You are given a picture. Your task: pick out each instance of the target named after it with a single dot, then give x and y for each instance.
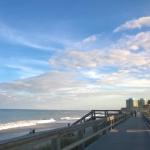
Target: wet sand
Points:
(16, 132)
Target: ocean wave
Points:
(24, 123)
(70, 118)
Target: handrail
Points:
(93, 115)
(37, 139)
(83, 118)
(147, 119)
(47, 134)
(90, 136)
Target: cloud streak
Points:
(133, 24)
(18, 37)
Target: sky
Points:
(83, 54)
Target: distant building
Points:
(148, 102)
(135, 103)
(129, 103)
(147, 105)
(141, 103)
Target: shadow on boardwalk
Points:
(130, 135)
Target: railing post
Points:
(95, 128)
(92, 114)
(56, 143)
(80, 136)
(105, 114)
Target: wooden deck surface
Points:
(133, 134)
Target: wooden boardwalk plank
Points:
(130, 135)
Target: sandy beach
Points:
(21, 131)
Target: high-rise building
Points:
(148, 102)
(141, 102)
(135, 103)
(129, 103)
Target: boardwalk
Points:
(130, 135)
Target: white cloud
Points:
(83, 80)
(26, 39)
(25, 67)
(136, 23)
(55, 89)
(125, 79)
(77, 59)
(127, 52)
(47, 91)
(130, 55)
(91, 74)
(88, 42)
(89, 39)
(62, 90)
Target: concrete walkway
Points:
(130, 135)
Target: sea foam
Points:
(69, 118)
(24, 123)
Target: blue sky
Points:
(71, 49)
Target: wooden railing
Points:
(79, 134)
(97, 114)
(146, 117)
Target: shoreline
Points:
(9, 134)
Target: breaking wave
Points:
(24, 123)
(70, 118)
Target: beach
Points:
(16, 132)
(15, 123)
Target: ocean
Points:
(13, 118)
(18, 122)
